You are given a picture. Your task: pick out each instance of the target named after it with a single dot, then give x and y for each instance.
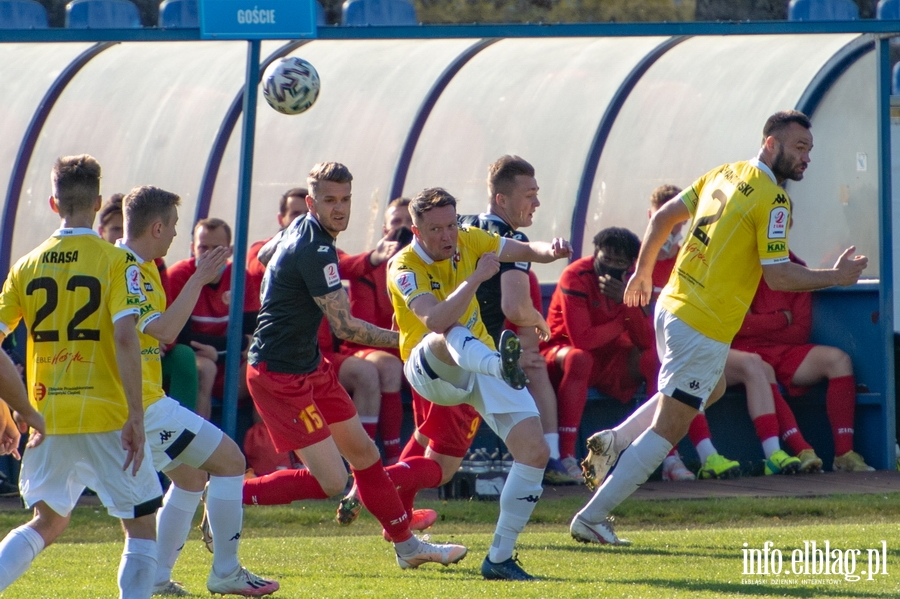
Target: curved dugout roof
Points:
(604, 121)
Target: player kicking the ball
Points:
(185, 446)
(450, 357)
(296, 391)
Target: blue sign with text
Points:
(257, 19)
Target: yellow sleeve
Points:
(773, 217)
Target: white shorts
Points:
(501, 406)
(58, 470)
(691, 363)
(178, 435)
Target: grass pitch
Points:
(692, 548)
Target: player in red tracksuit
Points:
(207, 328)
(595, 339)
(777, 328)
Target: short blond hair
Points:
(143, 205)
(327, 171)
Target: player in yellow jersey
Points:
(184, 446)
(83, 359)
(738, 232)
(450, 357)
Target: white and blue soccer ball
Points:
(290, 85)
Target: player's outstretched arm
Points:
(639, 290)
(790, 276)
(167, 327)
(128, 358)
(535, 251)
(336, 307)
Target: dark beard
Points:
(783, 169)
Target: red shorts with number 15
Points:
(285, 402)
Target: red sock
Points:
(413, 449)
(787, 424)
(371, 428)
(699, 430)
(282, 487)
(389, 421)
(766, 426)
(413, 474)
(840, 403)
(572, 395)
(377, 493)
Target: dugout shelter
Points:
(605, 112)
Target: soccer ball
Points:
(290, 85)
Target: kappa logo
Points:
(466, 340)
(323, 249)
(780, 199)
(164, 436)
(530, 498)
(694, 385)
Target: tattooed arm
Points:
(336, 307)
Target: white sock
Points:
(471, 354)
(173, 523)
(518, 498)
(705, 448)
(634, 468)
(770, 446)
(137, 568)
(226, 519)
(552, 440)
(639, 421)
(17, 551)
(408, 547)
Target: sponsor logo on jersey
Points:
(40, 392)
(323, 249)
(776, 246)
(435, 285)
(150, 351)
(406, 283)
(133, 280)
(778, 222)
(780, 199)
(145, 309)
(148, 287)
(59, 257)
(332, 276)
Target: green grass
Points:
(687, 548)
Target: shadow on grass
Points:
(775, 590)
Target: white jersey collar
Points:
(764, 168)
(121, 244)
(73, 231)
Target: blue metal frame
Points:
(808, 102)
(885, 233)
(245, 182)
(831, 71)
(26, 148)
(334, 32)
(415, 130)
(592, 163)
(214, 162)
